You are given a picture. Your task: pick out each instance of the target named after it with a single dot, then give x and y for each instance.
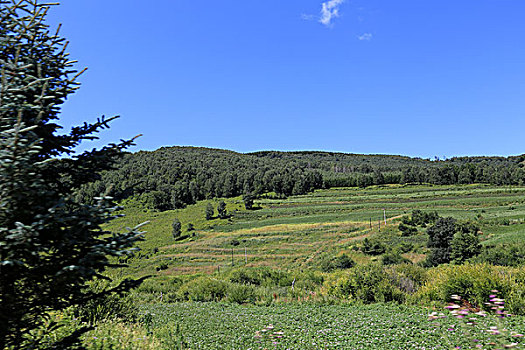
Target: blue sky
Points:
(420, 78)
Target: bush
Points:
(474, 283)
(340, 262)
(176, 229)
(241, 293)
(373, 247)
(502, 255)
(364, 283)
(407, 230)
(407, 277)
(204, 289)
(394, 258)
(465, 244)
(111, 306)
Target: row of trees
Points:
(173, 177)
(500, 173)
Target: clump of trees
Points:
(51, 244)
(450, 241)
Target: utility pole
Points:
(245, 257)
(384, 215)
(232, 257)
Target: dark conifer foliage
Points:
(177, 176)
(50, 244)
(172, 177)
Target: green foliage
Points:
(364, 283)
(248, 199)
(204, 289)
(51, 244)
(221, 210)
(503, 255)
(440, 236)
(209, 211)
(329, 263)
(465, 244)
(241, 294)
(407, 230)
(407, 277)
(474, 282)
(109, 307)
(394, 258)
(373, 247)
(176, 229)
(451, 241)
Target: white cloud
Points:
(330, 10)
(365, 36)
(307, 17)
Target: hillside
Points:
(173, 177)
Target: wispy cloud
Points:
(365, 36)
(307, 17)
(329, 11)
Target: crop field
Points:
(309, 326)
(294, 232)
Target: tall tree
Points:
(209, 211)
(221, 210)
(51, 245)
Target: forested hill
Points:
(172, 177)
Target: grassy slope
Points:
(290, 233)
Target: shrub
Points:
(373, 247)
(330, 263)
(221, 210)
(176, 229)
(465, 244)
(474, 283)
(394, 258)
(209, 211)
(502, 255)
(407, 277)
(241, 293)
(204, 289)
(363, 283)
(407, 230)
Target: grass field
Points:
(293, 232)
(291, 237)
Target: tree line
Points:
(173, 177)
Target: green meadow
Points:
(292, 232)
(259, 278)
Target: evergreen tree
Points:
(440, 236)
(248, 201)
(209, 211)
(465, 244)
(176, 229)
(221, 210)
(51, 244)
